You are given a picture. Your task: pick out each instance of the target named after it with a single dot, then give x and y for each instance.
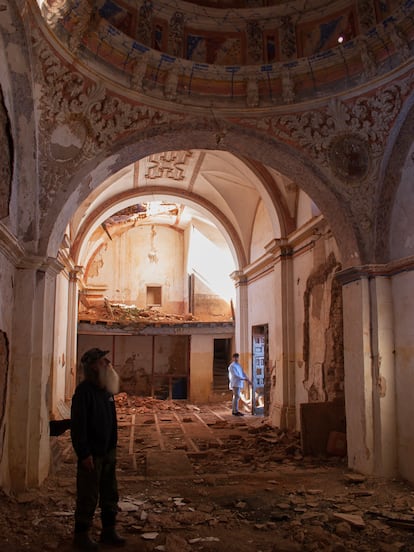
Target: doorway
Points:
(260, 348)
(221, 360)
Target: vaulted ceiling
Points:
(209, 187)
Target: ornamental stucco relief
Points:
(169, 164)
(366, 121)
(81, 119)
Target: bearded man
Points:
(94, 438)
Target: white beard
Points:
(109, 379)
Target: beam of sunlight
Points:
(213, 263)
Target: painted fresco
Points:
(271, 47)
(159, 36)
(120, 15)
(384, 8)
(318, 36)
(220, 48)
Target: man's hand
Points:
(88, 464)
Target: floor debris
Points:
(248, 488)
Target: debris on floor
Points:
(119, 313)
(242, 485)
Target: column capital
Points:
(75, 273)
(239, 277)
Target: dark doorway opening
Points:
(221, 360)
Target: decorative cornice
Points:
(49, 265)
(352, 274)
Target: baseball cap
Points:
(93, 355)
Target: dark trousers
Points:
(99, 484)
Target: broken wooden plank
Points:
(160, 437)
(187, 438)
(132, 435)
(219, 441)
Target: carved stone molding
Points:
(349, 157)
(51, 265)
(388, 270)
(169, 164)
(81, 119)
(359, 126)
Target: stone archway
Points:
(238, 141)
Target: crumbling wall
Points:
(6, 319)
(147, 365)
(4, 373)
(6, 159)
(125, 264)
(323, 334)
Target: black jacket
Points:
(93, 425)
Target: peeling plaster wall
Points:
(402, 286)
(312, 345)
(318, 325)
(6, 312)
(6, 159)
(142, 256)
(133, 362)
(147, 364)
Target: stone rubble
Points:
(254, 493)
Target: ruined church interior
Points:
(182, 180)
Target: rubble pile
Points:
(119, 313)
(125, 403)
(130, 314)
(250, 490)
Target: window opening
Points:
(153, 296)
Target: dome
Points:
(234, 53)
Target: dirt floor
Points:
(199, 479)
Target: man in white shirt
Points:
(236, 381)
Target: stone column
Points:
(285, 376)
(72, 332)
(31, 361)
(242, 345)
(369, 371)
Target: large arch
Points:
(396, 162)
(238, 141)
(126, 199)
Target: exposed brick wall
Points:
(324, 381)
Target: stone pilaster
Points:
(72, 332)
(286, 373)
(242, 345)
(369, 370)
(31, 361)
